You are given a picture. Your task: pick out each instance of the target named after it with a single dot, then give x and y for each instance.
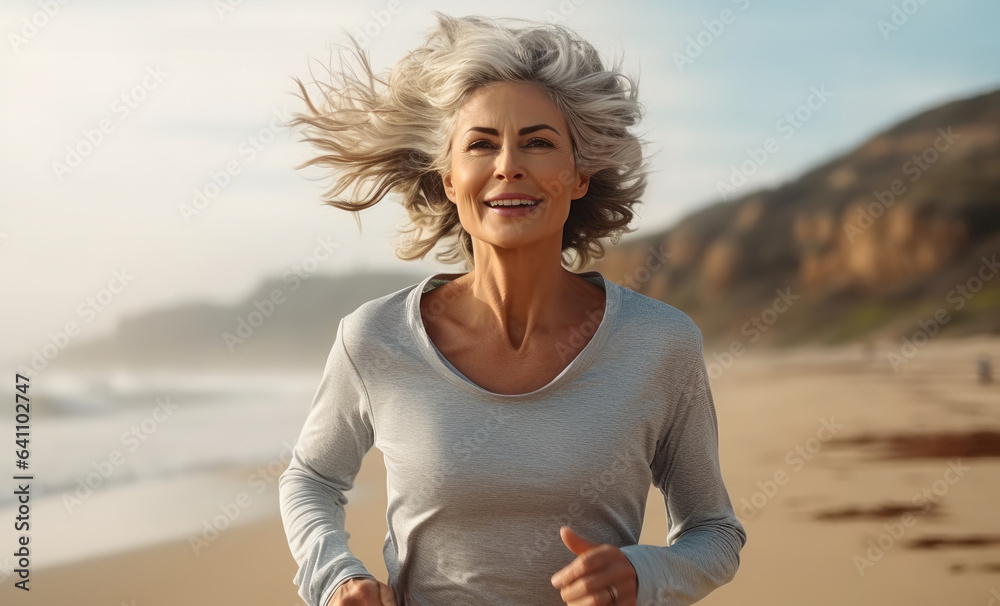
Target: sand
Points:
(826, 526)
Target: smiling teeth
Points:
(512, 203)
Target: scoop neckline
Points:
(437, 360)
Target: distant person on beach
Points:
(985, 369)
(522, 410)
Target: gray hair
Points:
(399, 139)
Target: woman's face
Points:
(510, 138)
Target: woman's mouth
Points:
(516, 202)
(514, 207)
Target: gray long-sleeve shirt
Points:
(479, 483)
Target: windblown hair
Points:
(398, 139)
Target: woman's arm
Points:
(337, 433)
(705, 538)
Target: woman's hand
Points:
(362, 591)
(597, 567)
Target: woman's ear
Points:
(582, 185)
(449, 189)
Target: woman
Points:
(522, 410)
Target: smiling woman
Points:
(522, 409)
(400, 139)
(510, 170)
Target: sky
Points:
(115, 116)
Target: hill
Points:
(293, 334)
(870, 242)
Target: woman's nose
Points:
(508, 164)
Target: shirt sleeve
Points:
(325, 460)
(704, 537)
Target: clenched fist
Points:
(363, 591)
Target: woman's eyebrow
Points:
(523, 131)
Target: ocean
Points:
(119, 460)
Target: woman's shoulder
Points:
(657, 318)
(377, 320)
(382, 315)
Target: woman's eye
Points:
(476, 144)
(536, 142)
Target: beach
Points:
(857, 483)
